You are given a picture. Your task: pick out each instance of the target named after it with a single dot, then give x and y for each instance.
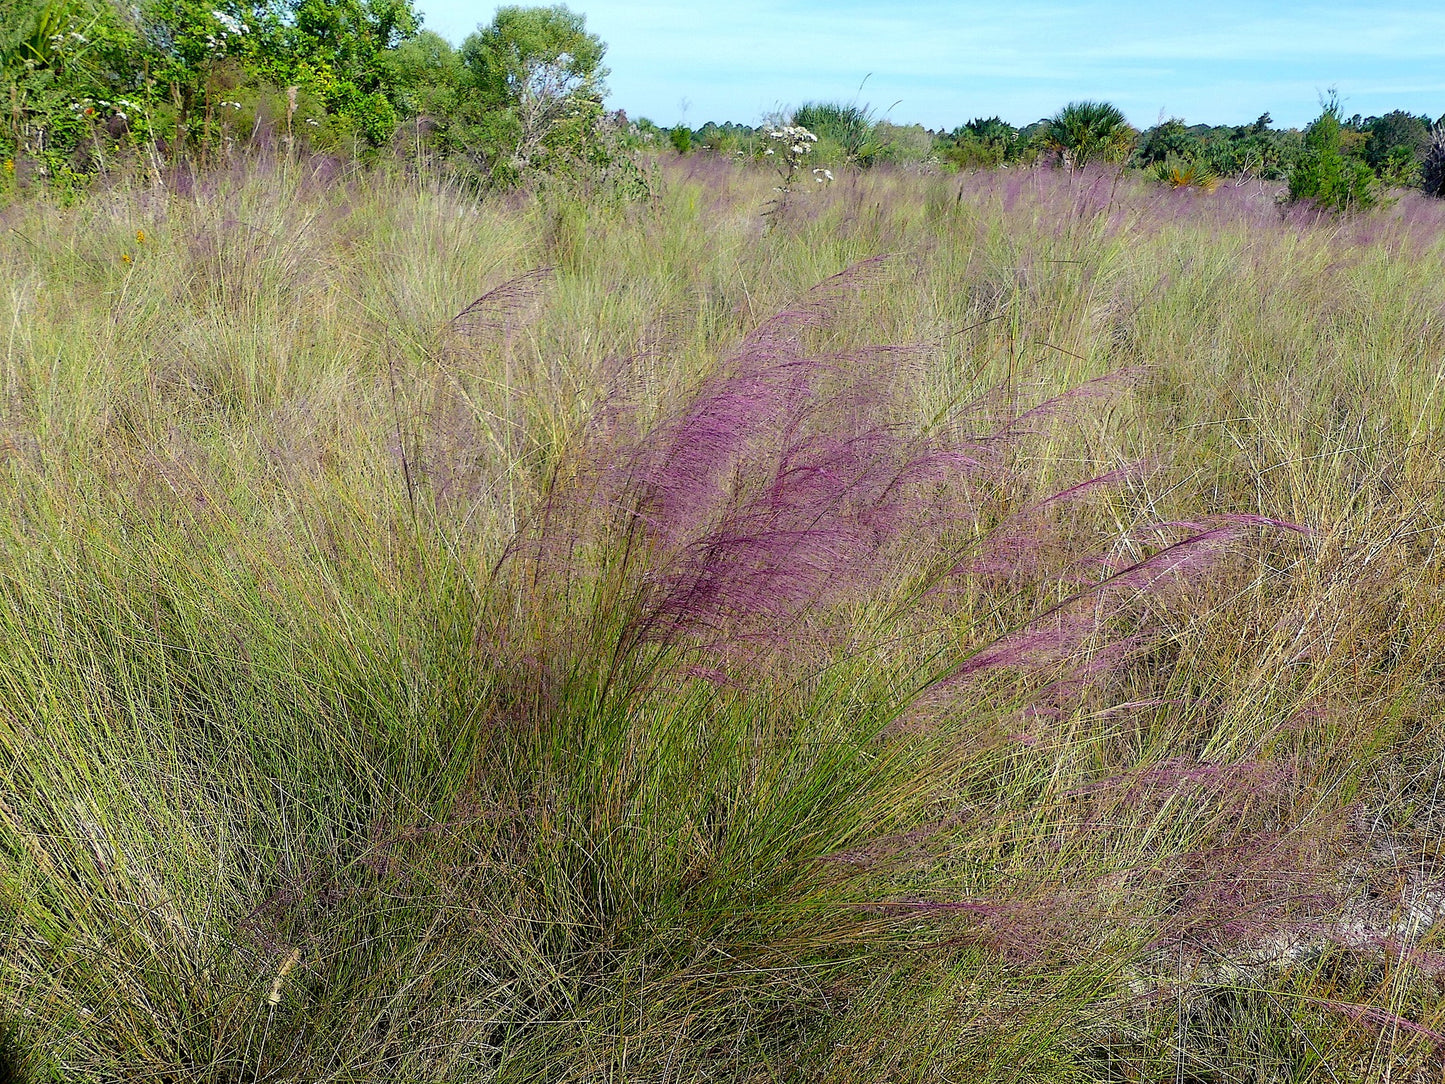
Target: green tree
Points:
(1083, 132)
(538, 79)
(725, 138)
(422, 75)
(424, 79)
(1395, 144)
(191, 43)
(1170, 140)
(1325, 175)
(1251, 150)
(1173, 150)
(981, 143)
(338, 50)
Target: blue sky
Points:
(944, 63)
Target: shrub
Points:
(1395, 144)
(981, 143)
(1185, 173)
(1084, 132)
(1325, 175)
(1171, 139)
(902, 142)
(849, 127)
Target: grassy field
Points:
(952, 628)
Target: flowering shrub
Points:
(232, 30)
(789, 146)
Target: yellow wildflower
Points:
(125, 257)
(140, 236)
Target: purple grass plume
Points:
(752, 523)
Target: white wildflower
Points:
(797, 144)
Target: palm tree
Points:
(1081, 132)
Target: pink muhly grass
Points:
(500, 307)
(1249, 884)
(786, 490)
(1059, 632)
(784, 514)
(772, 492)
(1381, 1019)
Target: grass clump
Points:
(981, 629)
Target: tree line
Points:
(89, 85)
(1341, 163)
